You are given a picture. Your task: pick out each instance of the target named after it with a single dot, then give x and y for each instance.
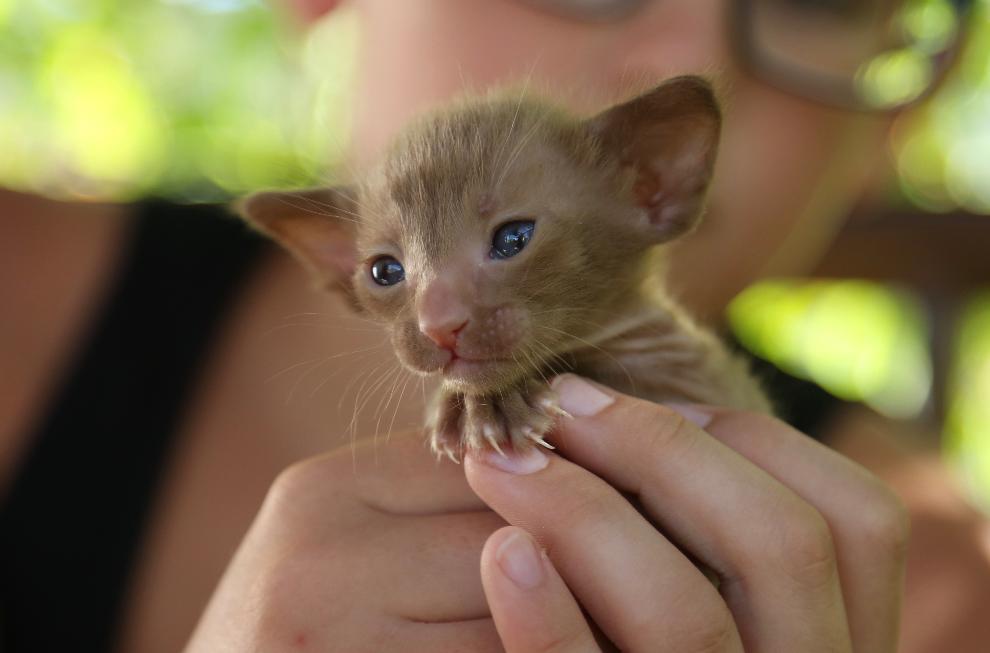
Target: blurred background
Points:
(201, 100)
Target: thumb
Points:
(532, 607)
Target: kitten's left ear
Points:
(667, 139)
(317, 226)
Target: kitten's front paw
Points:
(443, 425)
(519, 417)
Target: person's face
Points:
(788, 168)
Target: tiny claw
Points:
(542, 442)
(552, 407)
(489, 434)
(492, 441)
(537, 438)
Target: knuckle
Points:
(806, 551)
(571, 639)
(717, 635)
(301, 488)
(292, 483)
(663, 428)
(883, 525)
(708, 627)
(587, 505)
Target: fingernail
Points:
(531, 461)
(520, 560)
(692, 413)
(578, 397)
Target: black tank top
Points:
(75, 515)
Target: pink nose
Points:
(443, 335)
(442, 313)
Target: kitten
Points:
(503, 241)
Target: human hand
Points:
(808, 547)
(374, 549)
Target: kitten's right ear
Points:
(317, 226)
(667, 139)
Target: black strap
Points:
(74, 517)
(805, 405)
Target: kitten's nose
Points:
(444, 336)
(442, 314)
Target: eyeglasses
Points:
(870, 55)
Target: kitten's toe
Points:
(527, 422)
(444, 426)
(483, 425)
(543, 398)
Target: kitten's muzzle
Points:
(473, 373)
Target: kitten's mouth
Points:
(459, 368)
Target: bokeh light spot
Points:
(893, 78)
(859, 340)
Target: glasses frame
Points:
(835, 91)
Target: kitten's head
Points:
(499, 233)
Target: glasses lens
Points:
(877, 53)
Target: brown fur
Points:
(585, 295)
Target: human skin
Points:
(238, 436)
(789, 170)
(377, 549)
(781, 158)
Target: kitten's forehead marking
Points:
(487, 204)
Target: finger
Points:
(637, 586)
(868, 522)
(421, 523)
(475, 635)
(418, 524)
(428, 566)
(773, 550)
(532, 607)
(397, 476)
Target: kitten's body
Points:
(504, 241)
(658, 353)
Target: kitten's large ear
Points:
(667, 138)
(317, 226)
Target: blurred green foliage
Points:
(191, 99)
(868, 342)
(942, 151)
(968, 428)
(204, 99)
(860, 341)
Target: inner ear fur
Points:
(316, 225)
(665, 139)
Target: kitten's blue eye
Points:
(511, 238)
(387, 271)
